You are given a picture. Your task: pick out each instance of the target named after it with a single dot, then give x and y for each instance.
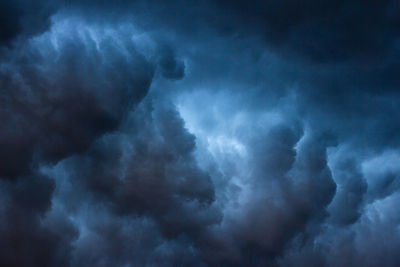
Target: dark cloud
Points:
(213, 133)
(157, 177)
(322, 30)
(142, 181)
(22, 19)
(60, 92)
(25, 239)
(170, 66)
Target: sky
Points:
(199, 133)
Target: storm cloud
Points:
(212, 133)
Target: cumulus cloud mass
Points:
(199, 133)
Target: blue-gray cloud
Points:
(220, 133)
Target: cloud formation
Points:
(220, 133)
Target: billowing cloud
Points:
(218, 133)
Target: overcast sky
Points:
(199, 133)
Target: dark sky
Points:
(199, 133)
